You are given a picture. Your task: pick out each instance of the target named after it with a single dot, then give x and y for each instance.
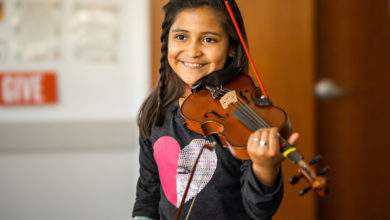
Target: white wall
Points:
(78, 160)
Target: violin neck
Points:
(289, 151)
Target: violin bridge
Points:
(228, 98)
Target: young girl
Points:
(198, 39)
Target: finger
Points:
(293, 138)
(274, 147)
(263, 144)
(254, 138)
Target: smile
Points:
(192, 65)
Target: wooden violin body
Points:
(205, 115)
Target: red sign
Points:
(28, 88)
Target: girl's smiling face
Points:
(198, 44)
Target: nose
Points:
(194, 49)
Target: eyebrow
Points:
(207, 32)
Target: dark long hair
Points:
(170, 87)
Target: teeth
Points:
(192, 65)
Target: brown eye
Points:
(180, 37)
(209, 40)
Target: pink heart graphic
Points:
(166, 153)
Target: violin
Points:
(227, 107)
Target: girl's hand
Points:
(264, 150)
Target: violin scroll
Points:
(317, 182)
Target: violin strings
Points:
(248, 112)
(264, 124)
(251, 112)
(243, 111)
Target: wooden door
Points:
(281, 38)
(354, 52)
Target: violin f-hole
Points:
(207, 115)
(242, 95)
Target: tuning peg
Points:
(323, 171)
(304, 191)
(294, 179)
(316, 159)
